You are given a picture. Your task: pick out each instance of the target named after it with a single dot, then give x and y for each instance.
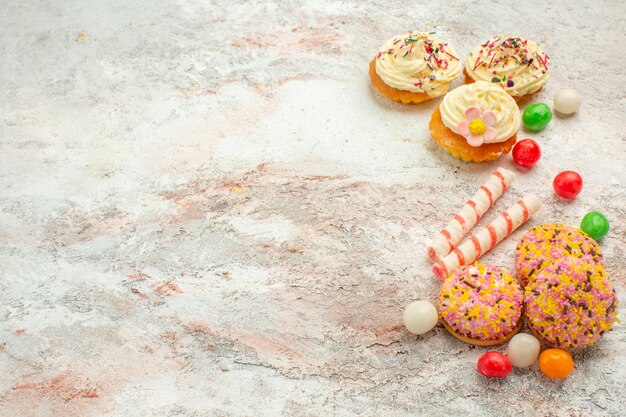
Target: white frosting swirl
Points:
(520, 65)
(487, 97)
(419, 62)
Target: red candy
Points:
(568, 184)
(526, 153)
(494, 364)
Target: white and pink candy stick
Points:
(470, 213)
(487, 238)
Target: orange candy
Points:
(556, 363)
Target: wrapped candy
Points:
(470, 214)
(483, 241)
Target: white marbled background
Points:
(207, 211)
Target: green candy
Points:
(595, 225)
(536, 117)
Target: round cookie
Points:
(544, 244)
(570, 303)
(481, 305)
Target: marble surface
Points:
(207, 211)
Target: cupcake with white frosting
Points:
(516, 64)
(476, 122)
(414, 67)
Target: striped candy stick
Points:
(483, 241)
(470, 214)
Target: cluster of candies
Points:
(527, 152)
(566, 184)
(535, 118)
(522, 352)
(523, 349)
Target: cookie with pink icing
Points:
(481, 304)
(544, 244)
(570, 303)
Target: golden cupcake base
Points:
(458, 147)
(401, 96)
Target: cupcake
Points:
(481, 304)
(476, 122)
(546, 243)
(570, 303)
(414, 67)
(516, 64)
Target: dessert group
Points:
(560, 296)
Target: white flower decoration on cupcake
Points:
(477, 127)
